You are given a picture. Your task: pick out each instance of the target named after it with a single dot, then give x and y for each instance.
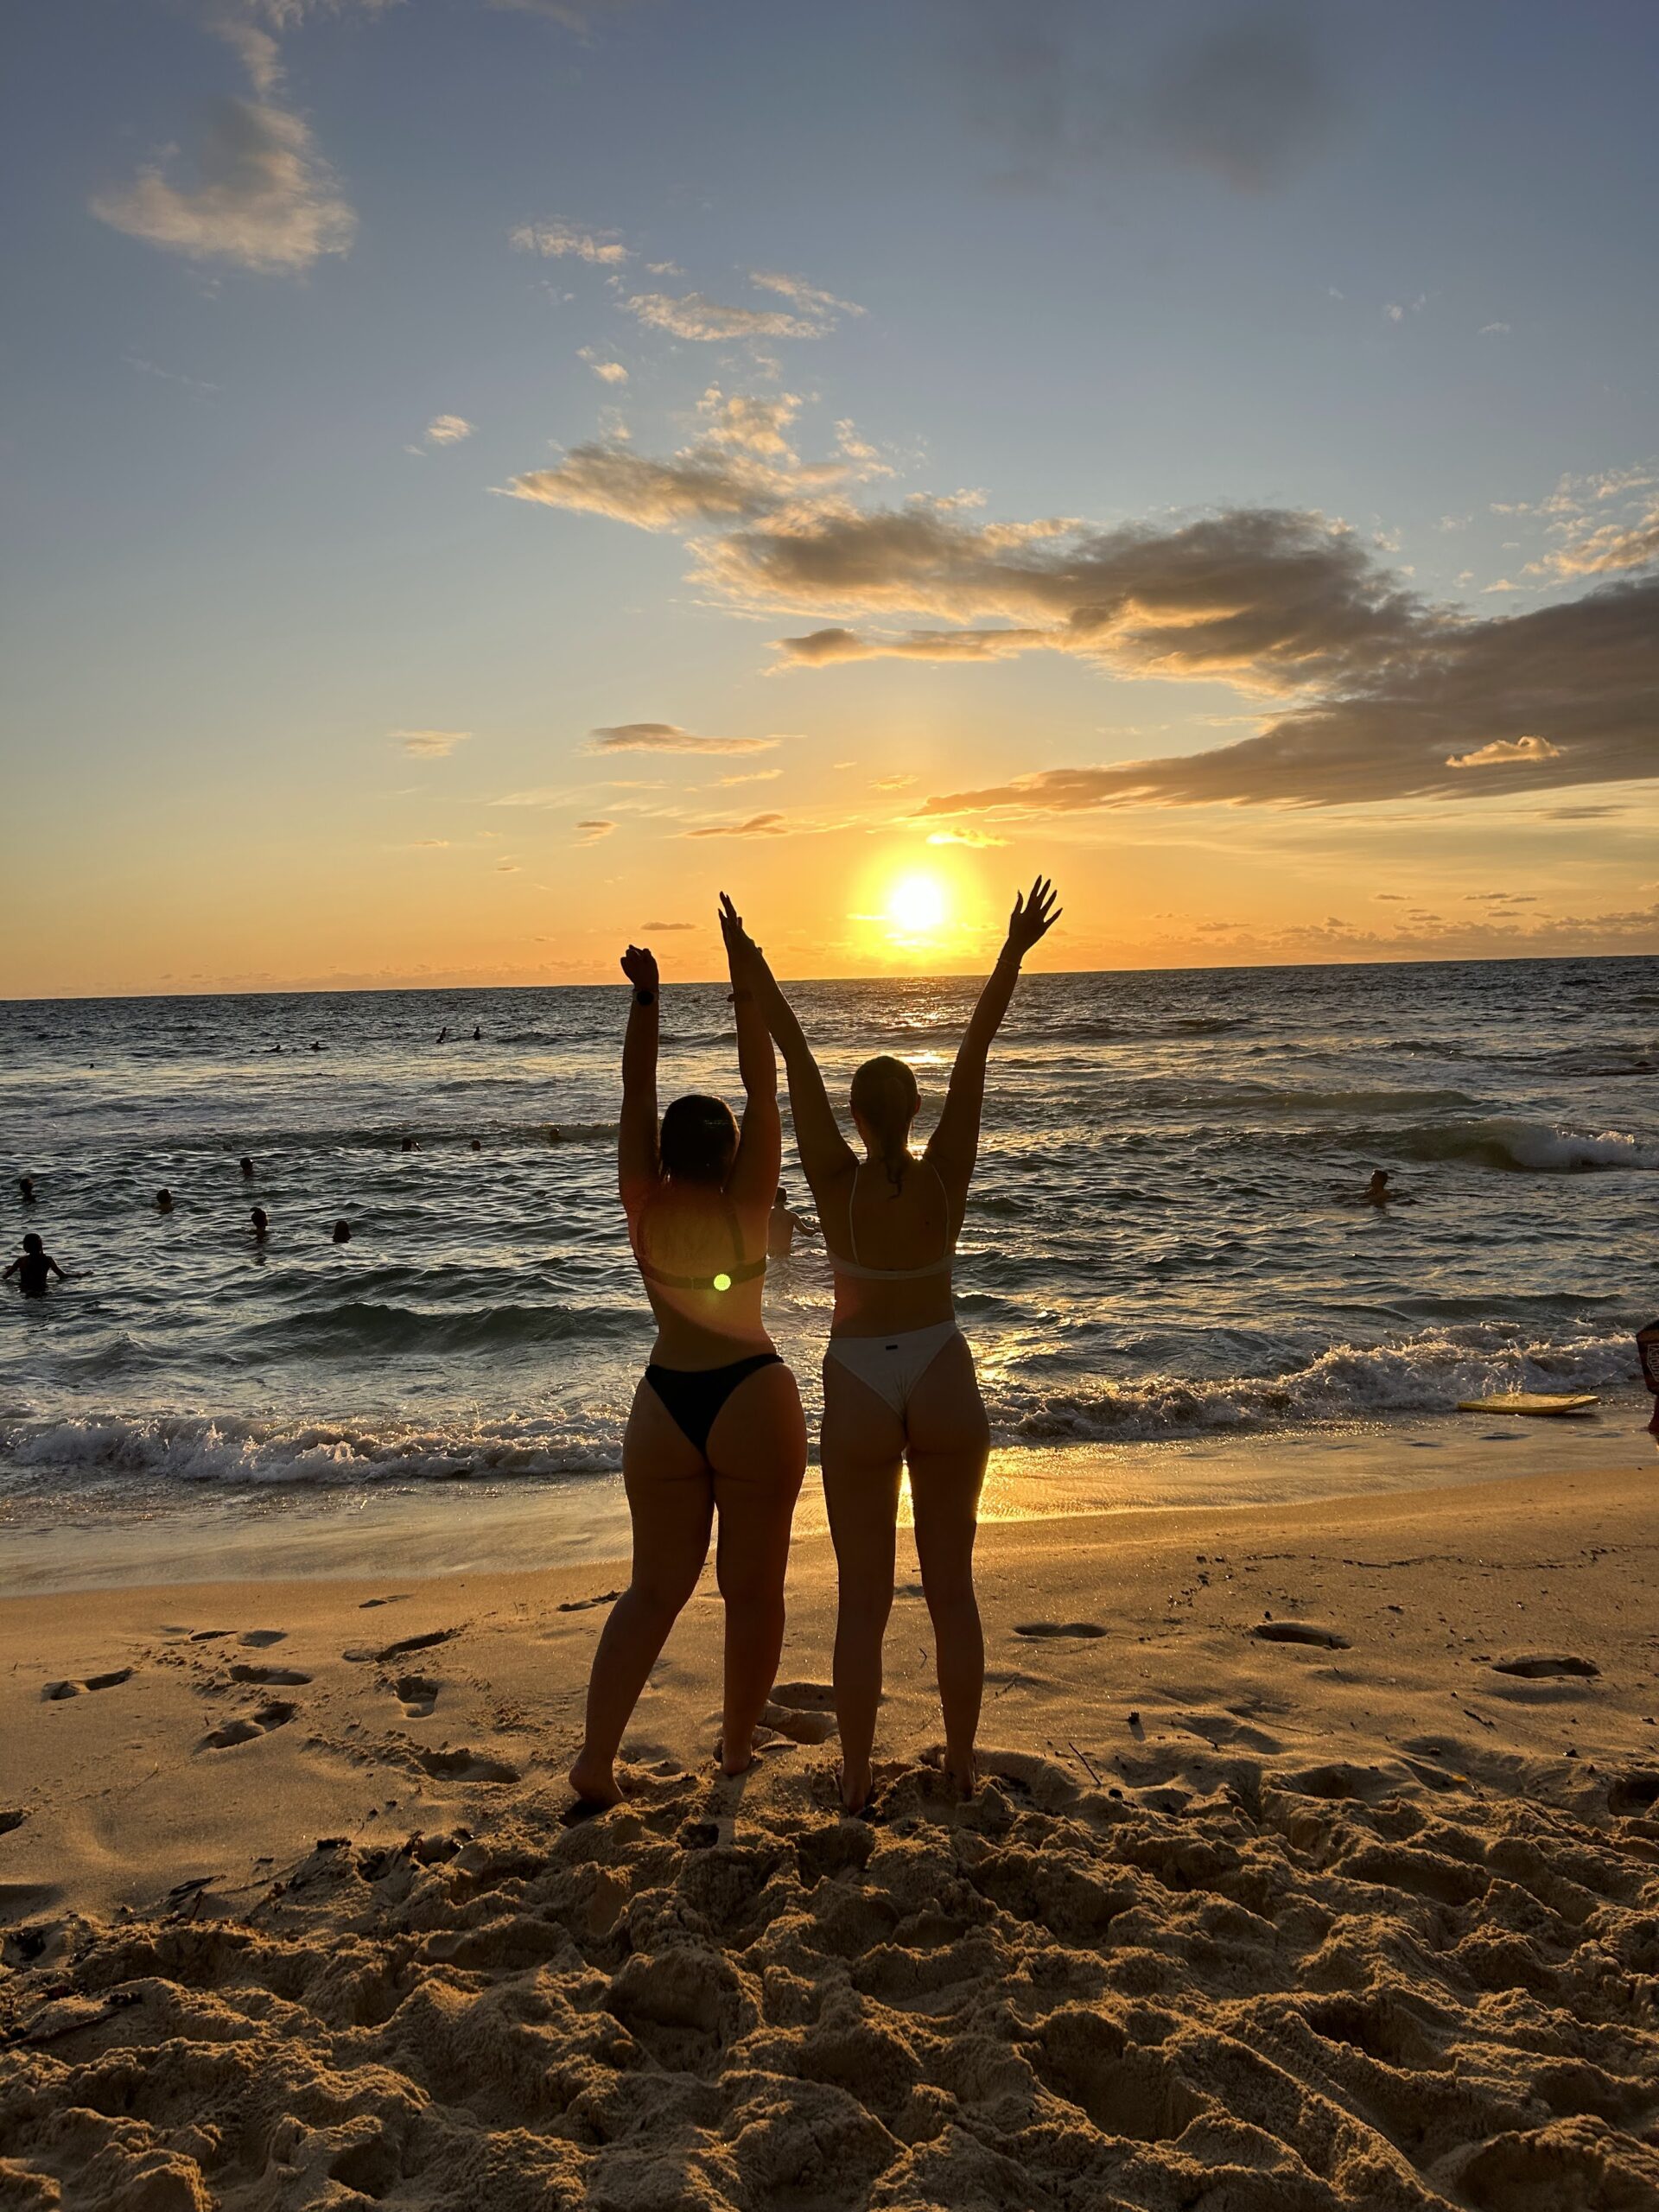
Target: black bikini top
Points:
(741, 1270)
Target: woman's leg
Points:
(862, 1451)
(758, 1449)
(949, 1442)
(670, 1500)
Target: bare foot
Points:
(961, 1775)
(731, 1768)
(594, 1783)
(855, 1784)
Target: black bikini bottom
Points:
(694, 1395)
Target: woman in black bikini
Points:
(716, 1425)
(899, 1381)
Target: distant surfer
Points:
(32, 1267)
(342, 1232)
(781, 1225)
(261, 1221)
(163, 1201)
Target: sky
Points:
(483, 475)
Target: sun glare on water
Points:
(916, 904)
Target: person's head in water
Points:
(26, 1189)
(411, 1144)
(699, 1140)
(885, 1101)
(782, 1198)
(260, 1219)
(163, 1201)
(33, 1245)
(1378, 1185)
(247, 1169)
(342, 1232)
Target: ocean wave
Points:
(1510, 1142)
(178, 1448)
(365, 1324)
(1425, 1374)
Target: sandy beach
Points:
(1314, 1866)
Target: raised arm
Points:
(826, 1154)
(753, 1179)
(954, 1146)
(638, 1165)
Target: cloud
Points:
(430, 744)
(820, 647)
(704, 483)
(444, 430)
(977, 840)
(669, 737)
(808, 297)
(1580, 813)
(661, 929)
(709, 322)
(757, 825)
(1056, 86)
(892, 783)
(607, 372)
(1501, 749)
(750, 775)
(557, 241)
(754, 424)
(1495, 329)
(264, 199)
(1611, 547)
(594, 831)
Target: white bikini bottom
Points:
(893, 1366)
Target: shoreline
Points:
(214, 1533)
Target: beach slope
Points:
(1315, 1866)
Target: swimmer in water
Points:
(782, 1224)
(1377, 1192)
(32, 1267)
(247, 1169)
(26, 1189)
(342, 1232)
(478, 1034)
(261, 1221)
(477, 1147)
(443, 1033)
(411, 1144)
(163, 1201)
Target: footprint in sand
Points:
(1058, 1628)
(1540, 1667)
(259, 1639)
(380, 1657)
(465, 1766)
(54, 1691)
(804, 1712)
(275, 1714)
(585, 1605)
(11, 1817)
(397, 1597)
(418, 1694)
(1324, 1639)
(246, 1672)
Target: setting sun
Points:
(915, 904)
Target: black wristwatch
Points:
(642, 996)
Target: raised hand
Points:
(740, 945)
(640, 966)
(1034, 914)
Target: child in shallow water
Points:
(32, 1267)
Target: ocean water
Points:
(1163, 1239)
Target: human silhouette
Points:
(32, 1267)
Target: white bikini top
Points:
(856, 1270)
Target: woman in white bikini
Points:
(899, 1381)
(716, 1425)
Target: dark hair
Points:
(699, 1140)
(886, 1100)
(31, 1242)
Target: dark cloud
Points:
(757, 825)
(1057, 86)
(669, 737)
